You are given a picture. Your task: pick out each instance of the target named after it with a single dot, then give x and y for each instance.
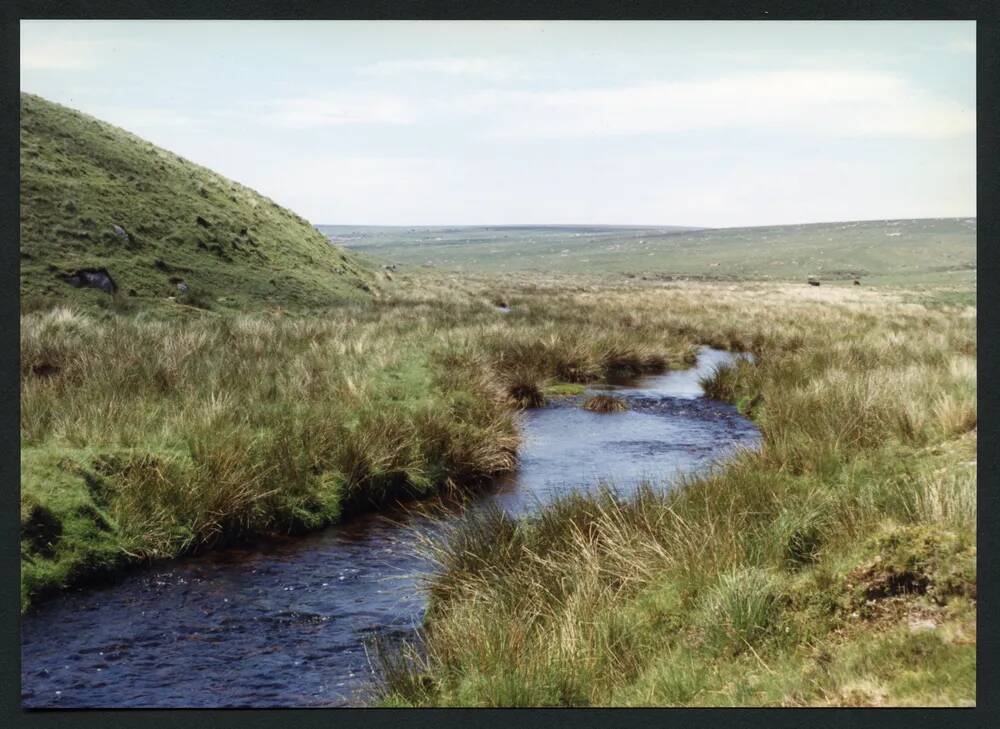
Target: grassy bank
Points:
(836, 566)
(147, 437)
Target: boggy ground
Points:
(836, 566)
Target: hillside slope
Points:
(891, 251)
(99, 203)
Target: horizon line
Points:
(635, 225)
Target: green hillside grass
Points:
(233, 248)
(932, 251)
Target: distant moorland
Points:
(880, 251)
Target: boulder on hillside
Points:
(95, 278)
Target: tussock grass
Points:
(605, 404)
(739, 610)
(179, 435)
(774, 580)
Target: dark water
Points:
(286, 623)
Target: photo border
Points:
(988, 324)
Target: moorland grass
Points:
(146, 437)
(605, 404)
(834, 566)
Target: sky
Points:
(713, 124)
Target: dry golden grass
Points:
(605, 404)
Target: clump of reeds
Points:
(605, 404)
(721, 383)
(525, 394)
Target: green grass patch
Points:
(564, 389)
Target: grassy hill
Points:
(99, 203)
(888, 251)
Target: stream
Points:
(285, 623)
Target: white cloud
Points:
(348, 108)
(489, 68)
(60, 55)
(840, 103)
(845, 103)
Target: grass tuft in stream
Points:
(605, 404)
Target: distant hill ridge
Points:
(926, 250)
(105, 212)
